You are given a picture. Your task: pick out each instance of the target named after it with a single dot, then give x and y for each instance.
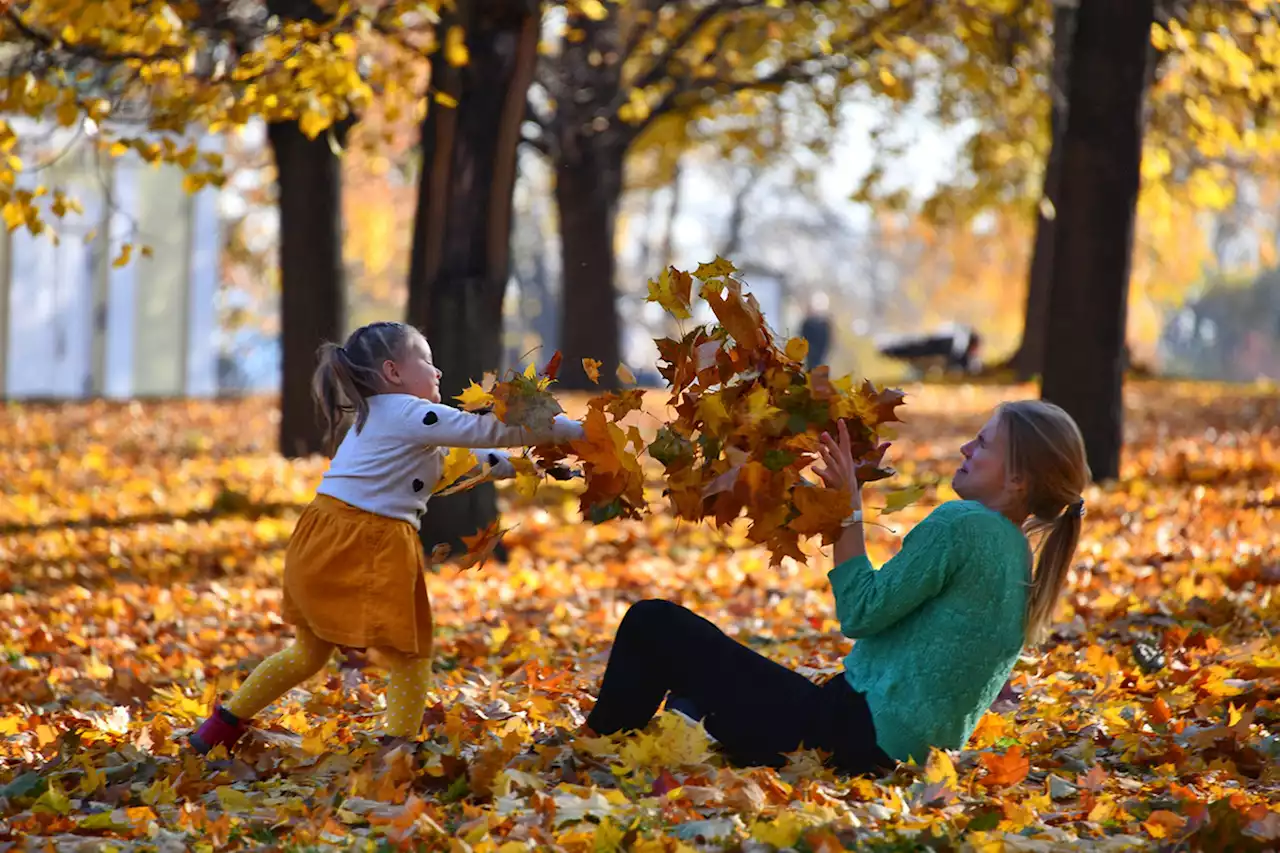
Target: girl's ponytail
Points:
(336, 395)
(347, 375)
(1052, 565)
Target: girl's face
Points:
(415, 373)
(983, 476)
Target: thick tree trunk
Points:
(461, 243)
(1102, 155)
(309, 182)
(587, 191)
(1028, 361)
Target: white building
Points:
(72, 325)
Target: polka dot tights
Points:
(409, 679)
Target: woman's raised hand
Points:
(838, 469)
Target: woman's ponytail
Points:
(1047, 454)
(1053, 563)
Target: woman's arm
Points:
(839, 472)
(869, 601)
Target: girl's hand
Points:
(838, 469)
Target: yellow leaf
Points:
(940, 770)
(593, 9)
(53, 801)
(313, 122)
(672, 291)
(126, 252)
(474, 397)
(784, 830)
(445, 100)
(233, 799)
(797, 349)
(625, 375)
(903, 498)
(715, 269)
(455, 47)
(592, 367)
(457, 463)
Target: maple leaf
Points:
(480, 546)
(474, 398)
(715, 269)
(457, 462)
(553, 365)
(673, 290)
(899, 500)
(1008, 768)
(797, 349)
(592, 369)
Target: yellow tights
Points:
(277, 675)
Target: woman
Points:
(938, 628)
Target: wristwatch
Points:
(853, 518)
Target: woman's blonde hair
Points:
(1046, 452)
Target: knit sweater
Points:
(938, 628)
(392, 464)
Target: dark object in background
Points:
(816, 329)
(953, 350)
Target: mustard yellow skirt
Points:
(356, 579)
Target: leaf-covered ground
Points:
(140, 547)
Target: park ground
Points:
(140, 550)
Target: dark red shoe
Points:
(223, 728)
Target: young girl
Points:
(353, 572)
(938, 628)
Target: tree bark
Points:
(1093, 245)
(309, 182)
(461, 258)
(312, 287)
(588, 187)
(1028, 361)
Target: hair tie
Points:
(1076, 508)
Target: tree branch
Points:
(796, 70)
(49, 43)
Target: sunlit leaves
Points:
(1147, 721)
(138, 76)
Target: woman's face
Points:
(983, 476)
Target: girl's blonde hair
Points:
(1046, 451)
(349, 374)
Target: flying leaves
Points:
(742, 427)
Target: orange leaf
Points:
(1008, 769)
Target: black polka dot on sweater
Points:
(418, 485)
(493, 459)
(430, 418)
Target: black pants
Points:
(757, 708)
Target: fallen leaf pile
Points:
(140, 551)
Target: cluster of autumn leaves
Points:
(139, 581)
(744, 424)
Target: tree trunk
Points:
(461, 241)
(1028, 361)
(588, 186)
(1093, 245)
(312, 289)
(309, 182)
